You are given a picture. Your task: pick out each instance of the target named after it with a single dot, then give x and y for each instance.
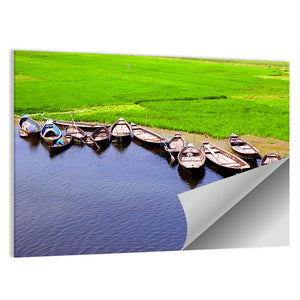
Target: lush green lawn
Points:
(216, 97)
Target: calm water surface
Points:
(82, 201)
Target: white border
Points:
(218, 29)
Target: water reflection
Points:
(99, 150)
(193, 180)
(253, 163)
(157, 150)
(121, 146)
(32, 141)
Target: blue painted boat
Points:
(62, 144)
(50, 133)
(28, 127)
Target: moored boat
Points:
(50, 133)
(77, 133)
(242, 147)
(223, 158)
(175, 144)
(28, 127)
(101, 136)
(146, 135)
(269, 158)
(62, 144)
(82, 125)
(191, 158)
(121, 131)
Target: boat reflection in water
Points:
(192, 179)
(100, 150)
(158, 151)
(253, 163)
(121, 146)
(33, 142)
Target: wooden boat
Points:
(50, 133)
(242, 147)
(62, 144)
(269, 158)
(223, 158)
(121, 131)
(77, 133)
(175, 144)
(191, 158)
(146, 135)
(100, 136)
(82, 125)
(28, 127)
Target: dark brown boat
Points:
(77, 133)
(223, 158)
(62, 144)
(121, 131)
(242, 147)
(100, 136)
(175, 144)
(269, 158)
(146, 135)
(191, 158)
(84, 126)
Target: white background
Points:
(218, 29)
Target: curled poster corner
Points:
(206, 205)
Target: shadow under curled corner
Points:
(247, 210)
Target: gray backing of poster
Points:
(246, 210)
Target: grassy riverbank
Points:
(215, 97)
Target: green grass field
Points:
(215, 97)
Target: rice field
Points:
(215, 97)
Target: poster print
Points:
(104, 144)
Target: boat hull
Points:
(121, 138)
(29, 128)
(242, 148)
(251, 156)
(223, 159)
(50, 133)
(25, 134)
(78, 135)
(147, 136)
(269, 158)
(179, 145)
(193, 170)
(50, 141)
(157, 144)
(84, 126)
(59, 149)
(191, 158)
(121, 131)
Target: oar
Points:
(211, 151)
(89, 140)
(94, 142)
(172, 157)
